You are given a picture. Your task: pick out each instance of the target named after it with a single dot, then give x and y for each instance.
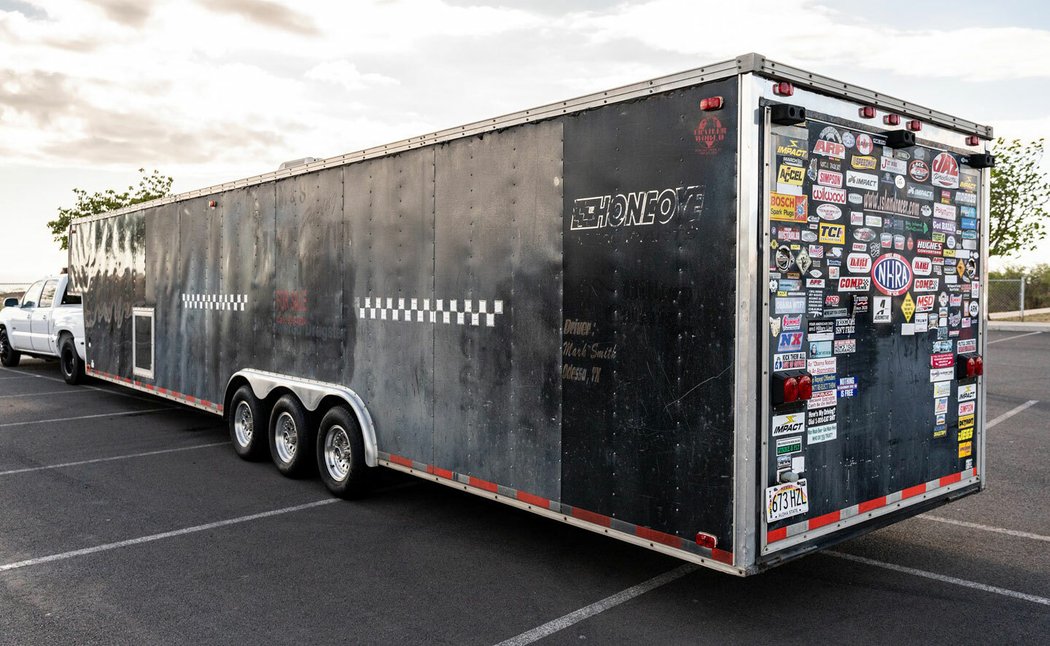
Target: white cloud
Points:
(344, 73)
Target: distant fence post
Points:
(1023, 281)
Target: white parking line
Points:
(17, 565)
(128, 456)
(1023, 596)
(1016, 336)
(71, 419)
(25, 375)
(597, 607)
(986, 528)
(52, 392)
(1010, 413)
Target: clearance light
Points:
(790, 390)
(979, 366)
(711, 103)
(805, 387)
(706, 540)
(867, 112)
(892, 119)
(973, 140)
(915, 125)
(212, 204)
(783, 88)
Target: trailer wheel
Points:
(9, 357)
(246, 425)
(291, 439)
(72, 366)
(341, 454)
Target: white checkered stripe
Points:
(226, 302)
(426, 310)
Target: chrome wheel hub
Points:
(286, 437)
(243, 424)
(337, 453)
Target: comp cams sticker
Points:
(786, 500)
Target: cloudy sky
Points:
(214, 90)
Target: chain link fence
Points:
(1005, 294)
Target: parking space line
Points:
(943, 578)
(986, 528)
(1016, 336)
(128, 456)
(70, 419)
(597, 607)
(17, 565)
(52, 392)
(18, 377)
(25, 375)
(1010, 413)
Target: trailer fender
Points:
(311, 393)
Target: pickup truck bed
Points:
(46, 322)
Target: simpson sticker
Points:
(891, 274)
(788, 424)
(829, 178)
(638, 208)
(788, 208)
(827, 194)
(786, 500)
(865, 181)
(854, 284)
(824, 433)
(945, 171)
(966, 408)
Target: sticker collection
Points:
(865, 236)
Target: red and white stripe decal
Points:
(606, 523)
(788, 531)
(173, 395)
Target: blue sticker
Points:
(968, 223)
(790, 342)
(847, 387)
(819, 349)
(824, 382)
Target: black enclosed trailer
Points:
(733, 315)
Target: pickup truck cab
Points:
(47, 322)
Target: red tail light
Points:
(805, 387)
(979, 367)
(711, 103)
(706, 540)
(892, 119)
(783, 88)
(867, 112)
(915, 125)
(790, 390)
(971, 367)
(973, 140)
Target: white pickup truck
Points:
(46, 322)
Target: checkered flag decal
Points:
(425, 310)
(225, 302)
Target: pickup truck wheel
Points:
(291, 439)
(246, 425)
(9, 357)
(341, 454)
(72, 366)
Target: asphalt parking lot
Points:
(126, 519)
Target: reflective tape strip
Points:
(546, 504)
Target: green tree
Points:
(150, 187)
(1019, 197)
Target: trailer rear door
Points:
(872, 267)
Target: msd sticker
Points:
(787, 499)
(793, 424)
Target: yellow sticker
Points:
(791, 175)
(788, 208)
(965, 434)
(966, 421)
(965, 449)
(960, 268)
(832, 233)
(908, 307)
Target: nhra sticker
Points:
(891, 274)
(788, 424)
(786, 500)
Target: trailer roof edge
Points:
(750, 63)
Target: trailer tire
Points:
(9, 357)
(291, 438)
(69, 360)
(246, 417)
(341, 454)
